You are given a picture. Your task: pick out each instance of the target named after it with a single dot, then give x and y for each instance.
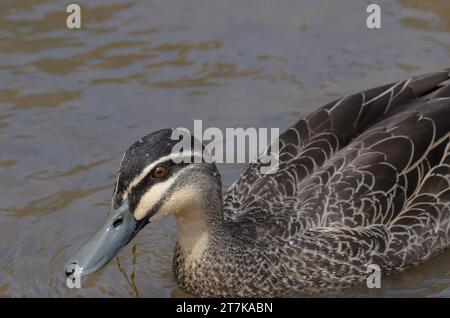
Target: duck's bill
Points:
(119, 228)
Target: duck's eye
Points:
(159, 172)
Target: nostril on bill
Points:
(117, 222)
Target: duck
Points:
(362, 181)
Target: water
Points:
(71, 102)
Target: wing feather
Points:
(377, 158)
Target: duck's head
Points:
(153, 181)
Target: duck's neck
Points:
(200, 221)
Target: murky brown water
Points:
(71, 102)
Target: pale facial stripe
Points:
(153, 196)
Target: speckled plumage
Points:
(362, 180)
